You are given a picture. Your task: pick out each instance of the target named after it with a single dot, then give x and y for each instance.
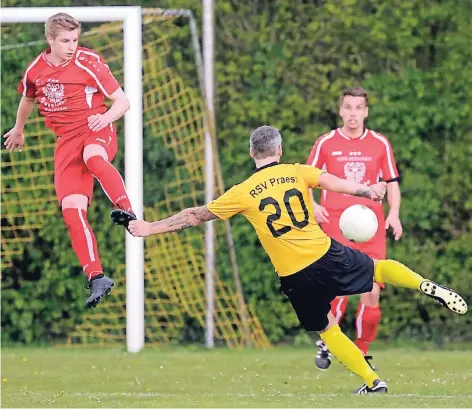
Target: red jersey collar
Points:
(48, 51)
(353, 139)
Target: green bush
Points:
(285, 63)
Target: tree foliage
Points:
(284, 63)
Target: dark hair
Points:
(355, 92)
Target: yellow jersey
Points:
(277, 202)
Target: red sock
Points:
(367, 321)
(83, 240)
(111, 181)
(338, 307)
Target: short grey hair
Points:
(264, 142)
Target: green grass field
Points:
(281, 377)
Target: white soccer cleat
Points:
(445, 296)
(379, 387)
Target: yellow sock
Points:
(348, 354)
(393, 272)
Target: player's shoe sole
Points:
(92, 303)
(445, 296)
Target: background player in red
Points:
(362, 155)
(70, 84)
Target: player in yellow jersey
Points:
(313, 269)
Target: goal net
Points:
(173, 129)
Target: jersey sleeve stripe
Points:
(320, 144)
(90, 72)
(384, 140)
(25, 87)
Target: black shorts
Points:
(341, 271)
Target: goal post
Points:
(168, 289)
(132, 23)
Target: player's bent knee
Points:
(94, 150)
(75, 201)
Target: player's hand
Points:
(97, 122)
(14, 139)
(378, 191)
(393, 221)
(140, 228)
(321, 214)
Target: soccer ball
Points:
(358, 223)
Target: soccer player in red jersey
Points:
(356, 153)
(70, 84)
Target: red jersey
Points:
(69, 93)
(365, 159)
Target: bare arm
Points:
(393, 218)
(394, 198)
(119, 107)
(186, 218)
(25, 108)
(14, 138)
(181, 221)
(334, 184)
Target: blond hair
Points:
(355, 92)
(59, 22)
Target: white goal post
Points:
(132, 33)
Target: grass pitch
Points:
(281, 377)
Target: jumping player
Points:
(70, 84)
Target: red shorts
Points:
(71, 175)
(376, 247)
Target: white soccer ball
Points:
(358, 223)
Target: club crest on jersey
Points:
(354, 171)
(54, 92)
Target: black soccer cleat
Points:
(379, 387)
(445, 296)
(99, 286)
(323, 356)
(122, 217)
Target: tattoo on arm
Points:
(364, 192)
(203, 214)
(185, 219)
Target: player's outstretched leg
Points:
(393, 272)
(122, 218)
(346, 352)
